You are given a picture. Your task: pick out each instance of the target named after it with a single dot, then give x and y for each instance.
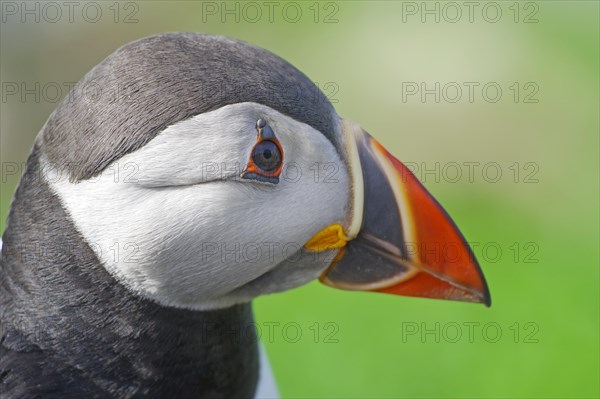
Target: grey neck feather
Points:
(68, 329)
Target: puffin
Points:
(183, 176)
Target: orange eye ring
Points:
(266, 159)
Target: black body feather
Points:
(70, 330)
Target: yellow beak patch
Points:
(330, 237)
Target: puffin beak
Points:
(401, 240)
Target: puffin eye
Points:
(266, 158)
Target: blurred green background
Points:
(535, 228)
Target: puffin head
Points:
(204, 172)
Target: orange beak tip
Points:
(407, 244)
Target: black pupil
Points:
(266, 156)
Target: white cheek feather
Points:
(174, 223)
